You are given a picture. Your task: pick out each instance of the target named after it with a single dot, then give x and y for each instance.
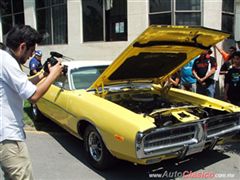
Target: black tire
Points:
(36, 114)
(97, 154)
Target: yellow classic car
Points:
(124, 110)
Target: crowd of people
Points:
(199, 75)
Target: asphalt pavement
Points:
(59, 156)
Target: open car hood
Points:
(159, 52)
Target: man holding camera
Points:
(14, 88)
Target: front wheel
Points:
(37, 115)
(97, 153)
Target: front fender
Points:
(117, 126)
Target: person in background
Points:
(174, 80)
(35, 64)
(227, 59)
(232, 81)
(232, 85)
(227, 56)
(203, 70)
(188, 81)
(15, 88)
(237, 45)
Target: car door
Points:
(55, 100)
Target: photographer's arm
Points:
(38, 77)
(42, 87)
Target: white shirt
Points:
(14, 88)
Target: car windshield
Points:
(82, 78)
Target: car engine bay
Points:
(165, 111)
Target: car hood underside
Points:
(159, 52)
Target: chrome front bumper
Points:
(185, 139)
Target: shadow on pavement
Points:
(231, 147)
(126, 170)
(48, 126)
(43, 124)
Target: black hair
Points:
(237, 53)
(22, 33)
(233, 48)
(209, 51)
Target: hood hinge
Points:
(103, 93)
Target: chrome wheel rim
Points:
(95, 146)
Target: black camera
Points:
(52, 61)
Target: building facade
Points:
(101, 29)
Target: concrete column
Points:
(30, 13)
(137, 17)
(212, 14)
(74, 8)
(237, 20)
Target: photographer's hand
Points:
(54, 72)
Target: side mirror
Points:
(59, 84)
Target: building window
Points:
(52, 21)
(160, 12)
(11, 13)
(104, 20)
(228, 16)
(175, 12)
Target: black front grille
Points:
(219, 124)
